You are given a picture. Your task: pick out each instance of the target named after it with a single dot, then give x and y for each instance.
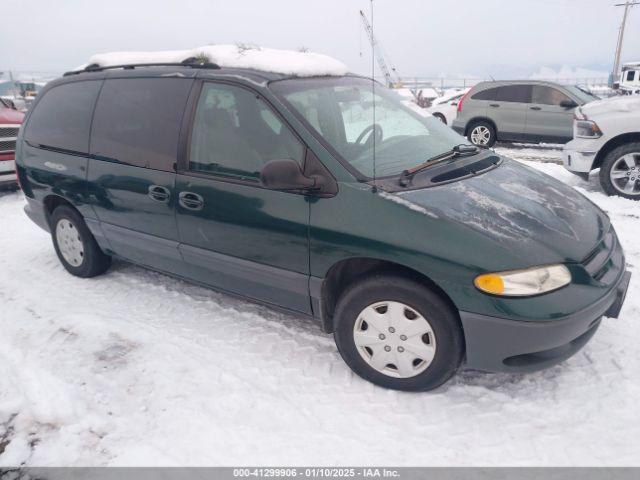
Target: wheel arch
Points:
(612, 144)
(347, 271)
(475, 120)
(440, 116)
(53, 201)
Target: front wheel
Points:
(75, 245)
(398, 334)
(620, 171)
(482, 134)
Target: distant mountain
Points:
(566, 72)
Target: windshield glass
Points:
(341, 111)
(583, 95)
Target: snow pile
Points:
(567, 73)
(288, 62)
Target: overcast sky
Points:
(421, 37)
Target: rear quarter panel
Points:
(45, 172)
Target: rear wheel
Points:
(75, 245)
(620, 171)
(482, 133)
(398, 334)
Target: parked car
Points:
(607, 136)
(630, 78)
(10, 121)
(262, 185)
(519, 111)
(445, 108)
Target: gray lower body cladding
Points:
(500, 345)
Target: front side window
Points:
(354, 120)
(137, 121)
(631, 75)
(514, 94)
(62, 117)
(582, 94)
(548, 96)
(235, 133)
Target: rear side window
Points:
(514, 93)
(547, 95)
(631, 75)
(137, 121)
(489, 94)
(62, 117)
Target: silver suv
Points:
(519, 111)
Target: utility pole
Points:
(616, 64)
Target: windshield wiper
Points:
(457, 151)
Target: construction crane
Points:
(390, 76)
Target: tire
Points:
(75, 245)
(622, 162)
(483, 132)
(440, 117)
(388, 294)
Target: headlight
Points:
(587, 129)
(520, 283)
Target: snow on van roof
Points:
(288, 62)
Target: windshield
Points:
(341, 112)
(583, 95)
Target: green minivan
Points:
(328, 197)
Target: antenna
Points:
(373, 98)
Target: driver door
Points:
(236, 235)
(546, 118)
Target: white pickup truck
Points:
(606, 135)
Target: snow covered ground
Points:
(136, 368)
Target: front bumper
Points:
(7, 171)
(579, 155)
(578, 162)
(499, 345)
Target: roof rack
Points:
(191, 62)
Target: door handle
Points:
(494, 105)
(191, 201)
(159, 193)
(535, 108)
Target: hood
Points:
(528, 213)
(7, 115)
(622, 104)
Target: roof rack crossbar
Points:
(130, 66)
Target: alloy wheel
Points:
(625, 174)
(480, 135)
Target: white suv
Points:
(607, 136)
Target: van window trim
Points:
(186, 132)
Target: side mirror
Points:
(285, 175)
(568, 104)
